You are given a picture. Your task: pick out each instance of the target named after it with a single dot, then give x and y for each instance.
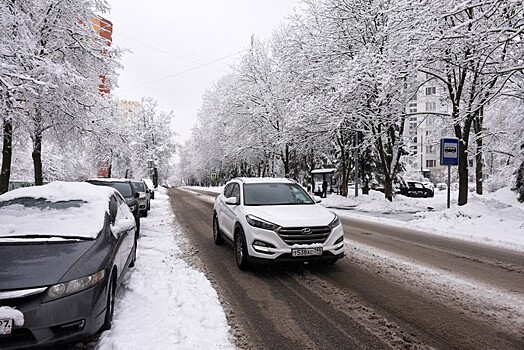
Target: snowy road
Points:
(395, 289)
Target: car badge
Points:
(306, 231)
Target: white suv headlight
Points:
(335, 222)
(259, 223)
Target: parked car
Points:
(270, 220)
(416, 189)
(65, 248)
(150, 187)
(127, 190)
(144, 197)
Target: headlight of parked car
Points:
(61, 290)
(335, 222)
(132, 208)
(259, 223)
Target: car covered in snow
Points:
(275, 220)
(144, 196)
(65, 248)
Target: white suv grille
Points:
(304, 235)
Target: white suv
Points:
(270, 219)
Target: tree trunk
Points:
(7, 154)
(479, 161)
(344, 165)
(37, 158)
(463, 173)
(388, 187)
(285, 160)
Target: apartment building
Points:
(420, 131)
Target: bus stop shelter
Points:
(321, 175)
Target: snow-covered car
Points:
(150, 187)
(275, 220)
(65, 247)
(144, 197)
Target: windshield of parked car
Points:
(275, 194)
(32, 218)
(139, 186)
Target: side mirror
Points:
(317, 199)
(121, 226)
(137, 195)
(231, 201)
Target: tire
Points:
(132, 263)
(241, 254)
(110, 306)
(217, 236)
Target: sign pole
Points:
(449, 185)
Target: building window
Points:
(414, 97)
(432, 90)
(430, 119)
(431, 106)
(412, 126)
(431, 149)
(431, 163)
(413, 107)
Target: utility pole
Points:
(356, 163)
(421, 152)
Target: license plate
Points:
(306, 252)
(6, 326)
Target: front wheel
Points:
(241, 254)
(110, 307)
(217, 236)
(133, 254)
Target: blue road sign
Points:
(449, 147)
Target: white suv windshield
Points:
(275, 194)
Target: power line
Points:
(163, 51)
(182, 72)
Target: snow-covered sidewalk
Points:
(495, 219)
(165, 304)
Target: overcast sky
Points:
(180, 48)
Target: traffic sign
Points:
(449, 147)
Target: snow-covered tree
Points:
(52, 59)
(473, 49)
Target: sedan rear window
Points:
(275, 194)
(123, 187)
(139, 186)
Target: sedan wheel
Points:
(110, 307)
(241, 253)
(217, 236)
(133, 258)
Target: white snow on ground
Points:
(470, 295)
(166, 304)
(494, 219)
